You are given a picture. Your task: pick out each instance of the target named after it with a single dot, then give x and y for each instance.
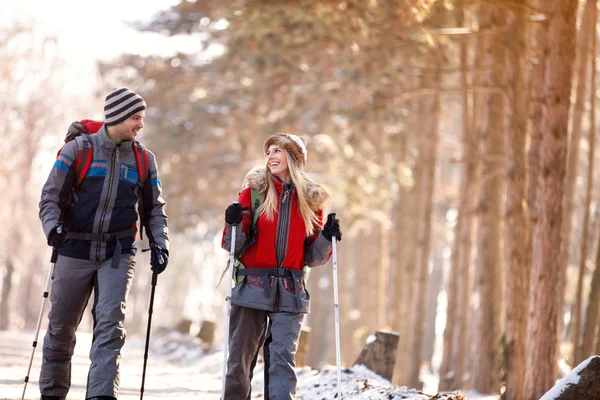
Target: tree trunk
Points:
(429, 152)
(407, 271)
(486, 373)
(447, 378)
(383, 279)
(467, 220)
(573, 151)
(452, 369)
(591, 317)
(577, 356)
(346, 287)
(319, 317)
(401, 235)
(433, 294)
(348, 280)
(378, 353)
(516, 228)
(541, 346)
(5, 316)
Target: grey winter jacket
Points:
(106, 200)
(273, 278)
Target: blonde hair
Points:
(301, 182)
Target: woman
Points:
(268, 306)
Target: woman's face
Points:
(277, 162)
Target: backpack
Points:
(79, 131)
(257, 198)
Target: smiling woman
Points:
(275, 243)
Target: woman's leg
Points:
(247, 329)
(280, 355)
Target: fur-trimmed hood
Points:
(317, 195)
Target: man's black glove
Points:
(332, 228)
(57, 236)
(233, 214)
(159, 258)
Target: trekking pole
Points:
(231, 266)
(154, 279)
(39, 323)
(337, 316)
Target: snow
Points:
(370, 339)
(358, 382)
(180, 367)
(572, 378)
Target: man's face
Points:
(129, 129)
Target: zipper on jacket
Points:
(282, 233)
(115, 158)
(282, 226)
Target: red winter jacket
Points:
(282, 238)
(262, 254)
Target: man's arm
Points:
(58, 187)
(154, 207)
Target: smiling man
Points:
(89, 216)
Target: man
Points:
(91, 221)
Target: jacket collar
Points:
(318, 197)
(108, 144)
(279, 184)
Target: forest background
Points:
(457, 138)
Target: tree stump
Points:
(582, 383)
(184, 326)
(207, 332)
(302, 351)
(379, 353)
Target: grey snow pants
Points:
(248, 330)
(72, 286)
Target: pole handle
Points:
(235, 203)
(333, 238)
(54, 255)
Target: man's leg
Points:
(69, 294)
(280, 355)
(111, 288)
(246, 335)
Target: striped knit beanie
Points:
(121, 104)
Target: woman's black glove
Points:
(159, 258)
(332, 228)
(57, 236)
(233, 214)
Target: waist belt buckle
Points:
(275, 273)
(283, 272)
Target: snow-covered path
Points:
(179, 369)
(164, 380)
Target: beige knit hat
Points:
(295, 145)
